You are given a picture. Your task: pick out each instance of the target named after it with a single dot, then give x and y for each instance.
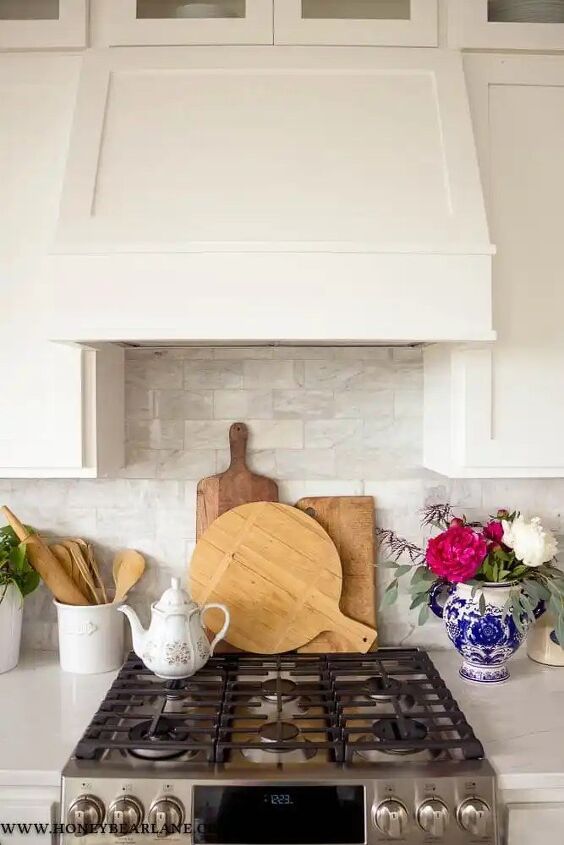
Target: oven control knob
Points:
(85, 813)
(126, 813)
(391, 818)
(166, 815)
(474, 816)
(433, 817)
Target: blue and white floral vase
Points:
(487, 640)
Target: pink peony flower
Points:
(456, 554)
(494, 531)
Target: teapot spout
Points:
(138, 632)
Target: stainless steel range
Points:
(292, 749)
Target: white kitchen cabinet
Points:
(43, 24)
(29, 806)
(65, 415)
(405, 23)
(535, 824)
(62, 406)
(159, 22)
(476, 24)
(498, 411)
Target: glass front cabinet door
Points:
(506, 24)
(177, 22)
(42, 24)
(406, 23)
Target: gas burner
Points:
(391, 731)
(381, 689)
(400, 731)
(278, 732)
(165, 731)
(279, 689)
(281, 742)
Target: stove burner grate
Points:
(390, 700)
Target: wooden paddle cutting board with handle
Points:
(236, 486)
(349, 521)
(279, 574)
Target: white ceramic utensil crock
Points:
(90, 638)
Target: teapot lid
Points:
(175, 598)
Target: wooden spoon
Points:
(128, 568)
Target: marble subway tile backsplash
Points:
(322, 421)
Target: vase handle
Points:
(435, 594)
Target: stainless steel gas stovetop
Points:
(293, 749)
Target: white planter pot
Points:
(11, 614)
(90, 638)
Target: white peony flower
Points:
(532, 544)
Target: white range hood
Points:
(271, 194)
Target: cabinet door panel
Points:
(42, 24)
(506, 402)
(535, 824)
(474, 24)
(41, 425)
(159, 22)
(378, 22)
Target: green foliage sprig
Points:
(14, 566)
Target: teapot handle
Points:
(219, 636)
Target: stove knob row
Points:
(392, 818)
(126, 813)
(165, 815)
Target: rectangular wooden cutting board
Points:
(350, 522)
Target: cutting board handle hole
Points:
(311, 512)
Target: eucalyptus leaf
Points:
(388, 564)
(482, 604)
(393, 585)
(420, 598)
(517, 619)
(421, 574)
(403, 570)
(560, 631)
(424, 614)
(389, 597)
(419, 587)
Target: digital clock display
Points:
(278, 798)
(278, 815)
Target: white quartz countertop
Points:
(43, 713)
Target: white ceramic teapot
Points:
(176, 645)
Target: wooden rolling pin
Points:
(45, 563)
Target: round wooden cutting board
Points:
(279, 574)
